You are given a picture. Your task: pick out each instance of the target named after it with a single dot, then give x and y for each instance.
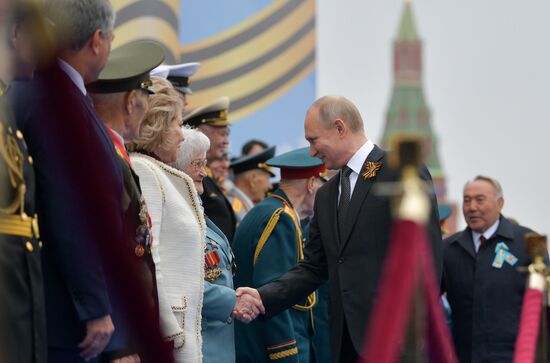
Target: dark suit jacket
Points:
(353, 264)
(217, 208)
(79, 186)
(485, 301)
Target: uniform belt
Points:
(18, 225)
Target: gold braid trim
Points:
(267, 232)
(287, 209)
(283, 354)
(282, 345)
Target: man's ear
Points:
(500, 203)
(310, 184)
(130, 99)
(96, 40)
(340, 126)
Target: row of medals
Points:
(143, 232)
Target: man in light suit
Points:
(350, 229)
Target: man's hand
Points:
(98, 334)
(128, 359)
(249, 305)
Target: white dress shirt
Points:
(73, 75)
(487, 234)
(356, 164)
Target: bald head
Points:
(330, 108)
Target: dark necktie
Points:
(343, 204)
(482, 239)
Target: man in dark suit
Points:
(350, 228)
(480, 276)
(79, 186)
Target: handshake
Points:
(249, 305)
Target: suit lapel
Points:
(362, 187)
(466, 242)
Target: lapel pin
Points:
(371, 168)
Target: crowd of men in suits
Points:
(300, 260)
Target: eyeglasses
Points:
(199, 163)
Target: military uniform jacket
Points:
(22, 310)
(218, 333)
(133, 224)
(178, 251)
(217, 208)
(485, 300)
(260, 260)
(353, 263)
(321, 338)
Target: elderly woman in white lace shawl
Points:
(219, 267)
(178, 226)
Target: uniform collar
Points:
(118, 136)
(280, 193)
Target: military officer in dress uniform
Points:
(212, 120)
(120, 98)
(22, 310)
(178, 75)
(251, 181)
(268, 242)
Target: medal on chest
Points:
(143, 237)
(212, 270)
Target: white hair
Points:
(496, 185)
(76, 20)
(194, 144)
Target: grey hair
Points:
(331, 108)
(76, 20)
(194, 144)
(496, 185)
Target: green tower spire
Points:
(408, 112)
(407, 27)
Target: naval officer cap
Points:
(128, 68)
(254, 161)
(178, 75)
(214, 114)
(298, 164)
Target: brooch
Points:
(503, 255)
(371, 169)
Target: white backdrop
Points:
(486, 78)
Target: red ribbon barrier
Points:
(409, 266)
(526, 342)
